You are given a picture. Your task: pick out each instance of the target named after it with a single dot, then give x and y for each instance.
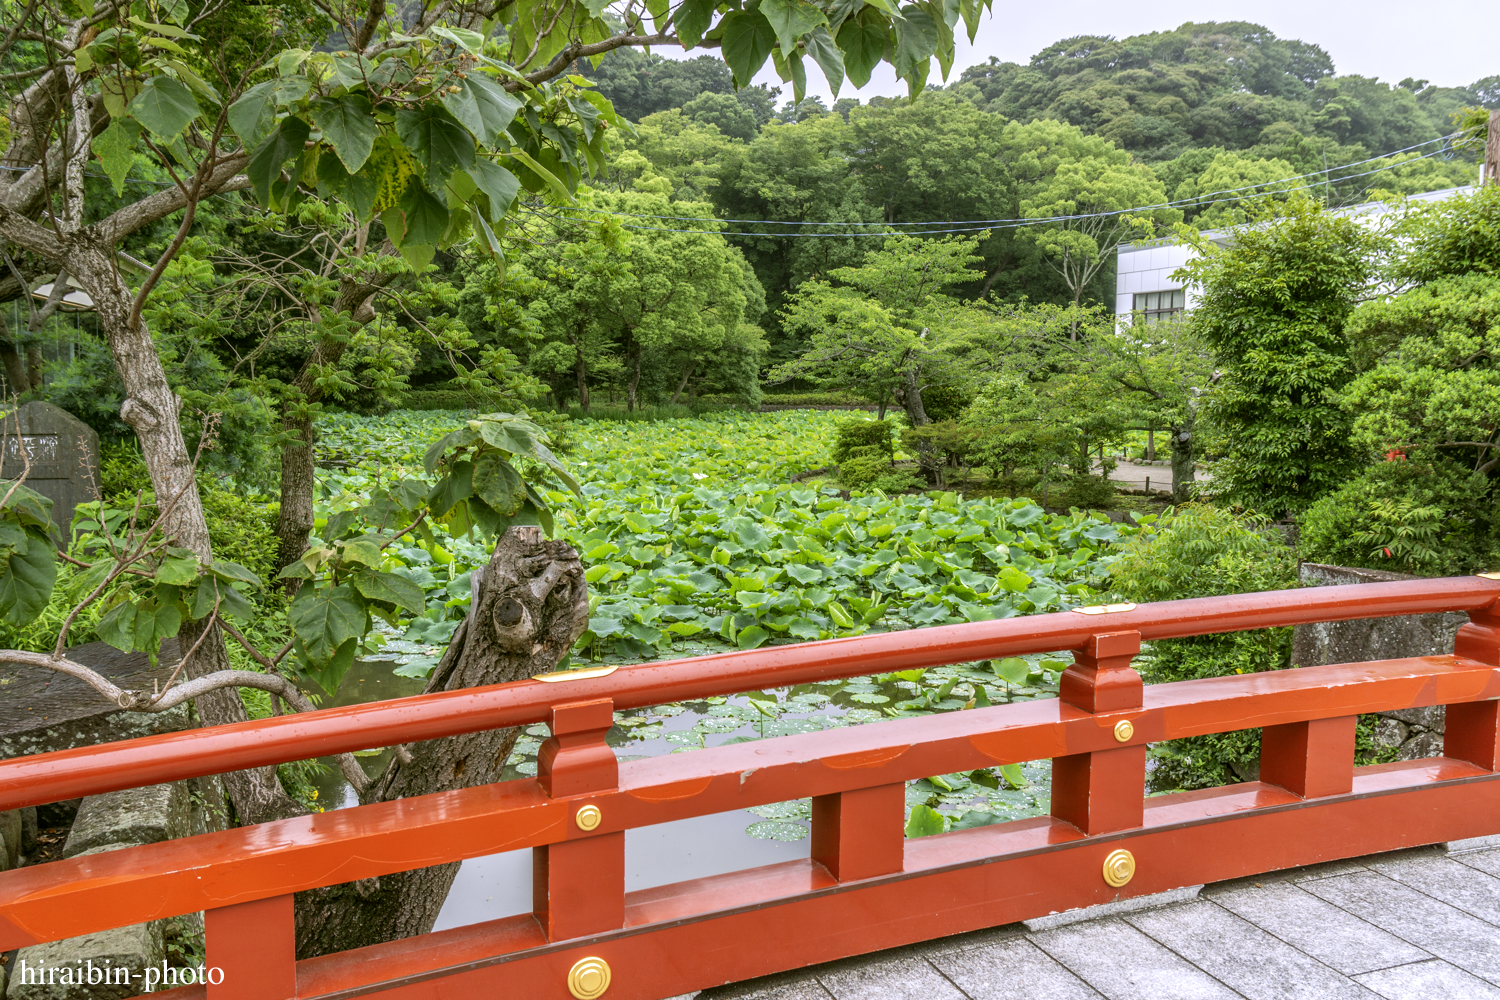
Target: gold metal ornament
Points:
(1124, 730)
(1489, 576)
(1104, 609)
(1119, 868)
(588, 978)
(588, 818)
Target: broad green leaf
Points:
(26, 579)
(790, 20)
(117, 627)
(1013, 670)
(470, 41)
(925, 821)
(820, 45)
(165, 106)
(499, 185)
(233, 572)
(253, 116)
(389, 588)
(348, 124)
(452, 489)
(439, 144)
(179, 572)
(751, 637)
(747, 42)
(692, 19)
(324, 619)
(916, 41)
(265, 163)
(1013, 776)
(498, 484)
(115, 147)
(546, 176)
(426, 217)
(27, 504)
(365, 551)
(482, 106)
(863, 41)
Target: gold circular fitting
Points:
(589, 818)
(589, 977)
(1124, 730)
(1119, 868)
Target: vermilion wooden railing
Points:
(864, 887)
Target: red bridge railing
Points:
(864, 887)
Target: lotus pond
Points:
(695, 541)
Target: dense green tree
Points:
(1272, 308)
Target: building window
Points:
(1157, 306)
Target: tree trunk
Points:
(34, 364)
(1151, 444)
(10, 356)
(581, 370)
(683, 384)
(635, 376)
(151, 408)
(930, 464)
(1182, 461)
(299, 480)
(530, 605)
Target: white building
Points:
(1143, 275)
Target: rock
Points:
(43, 710)
(1368, 638)
(1420, 746)
(63, 453)
(29, 830)
(57, 815)
(125, 819)
(100, 957)
(11, 832)
(1431, 717)
(1390, 733)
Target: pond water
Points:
(500, 885)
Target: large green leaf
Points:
(790, 20)
(821, 46)
(916, 41)
(26, 578)
(437, 142)
(498, 484)
(482, 106)
(454, 488)
(265, 163)
(747, 42)
(863, 40)
(115, 147)
(499, 185)
(692, 19)
(165, 106)
(426, 217)
(348, 124)
(325, 619)
(253, 116)
(389, 588)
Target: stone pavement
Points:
(1422, 924)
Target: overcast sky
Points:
(1448, 44)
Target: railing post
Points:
(578, 886)
(1311, 759)
(860, 833)
(1471, 730)
(251, 950)
(1103, 791)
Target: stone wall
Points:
(1414, 732)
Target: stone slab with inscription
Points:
(63, 452)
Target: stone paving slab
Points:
(1409, 925)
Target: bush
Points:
(861, 468)
(1201, 551)
(898, 481)
(1408, 517)
(1088, 492)
(453, 399)
(864, 437)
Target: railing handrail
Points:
(194, 753)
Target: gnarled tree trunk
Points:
(530, 605)
(1182, 461)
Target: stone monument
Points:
(64, 456)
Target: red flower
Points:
(1387, 552)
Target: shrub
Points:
(1088, 492)
(1201, 551)
(861, 468)
(898, 481)
(869, 437)
(1408, 517)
